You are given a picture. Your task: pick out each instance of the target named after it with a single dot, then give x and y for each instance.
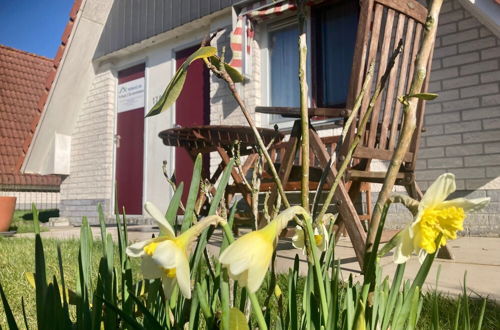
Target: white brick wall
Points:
(462, 126)
(91, 150)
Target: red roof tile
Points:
(22, 83)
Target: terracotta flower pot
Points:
(7, 207)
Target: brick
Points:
(473, 184)
(493, 123)
(460, 59)
(482, 160)
(490, 100)
(487, 54)
(433, 107)
(480, 113)
(492, 147)
(426, 153)
(490, 76)
(429, 175)
(445, 29)
(464, 150)
(493, 171)
(433, 130)
(484, 136)
(444, 74)
(442, 118)
(469, 173)
(477, 44)
(468, 23)
(462, 104)
(464, 126)
(460, 37)
(484, 32)
(452, 16)
(461, 82)
(445, 140)
(449, 162)
(483, 89)
(482, 66)
(445, 51)
(448, 95)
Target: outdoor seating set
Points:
(375, 43)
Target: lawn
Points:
(17, 258)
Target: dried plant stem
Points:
(409, 121)
(221, 72)
(304, 114)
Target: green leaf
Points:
(11, 321)
(424, 96)
(235, 75)
(174, 88)
(193, 194)
(360, 323)
(174, 205)
(237, 320)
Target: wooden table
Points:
(221, 139)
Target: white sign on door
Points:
(131, 95)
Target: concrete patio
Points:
(478, 256)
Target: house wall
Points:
(463, 124)
(91, 169)
(91, 179)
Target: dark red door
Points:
(130, 139)
(191, 109)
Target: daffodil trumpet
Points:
(166, 256)
(434, 217)
(248, 258)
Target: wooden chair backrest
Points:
(382, 24)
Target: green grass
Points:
(22, 221)
(17, 257)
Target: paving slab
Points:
(478, 256)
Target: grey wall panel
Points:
(131, 21)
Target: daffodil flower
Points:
(248, 258)
(434, 216)
(166, 256)
(321, 236)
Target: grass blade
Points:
(11, 321)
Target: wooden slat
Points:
(372, 54)
(373, 153)
(401, 83)
(408, 7)
(391, 87)
(358, 66)
(384, 58)
(295, 112)
(371, 176)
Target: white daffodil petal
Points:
(137, 249)
(149, 268)
(165, 227)
(298, 238)
(165, 254)
(404, 248)
(168, 286)
(439, 190)
(468, 205)
(182, 274)
(238, 249)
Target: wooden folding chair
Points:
(382, 24)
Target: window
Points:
(335, 37)
(284, 61)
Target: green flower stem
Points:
(253, 297)
(317, 269)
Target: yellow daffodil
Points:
(166, 256)
(248, 258)
(434, 216)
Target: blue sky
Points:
(35, 26)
